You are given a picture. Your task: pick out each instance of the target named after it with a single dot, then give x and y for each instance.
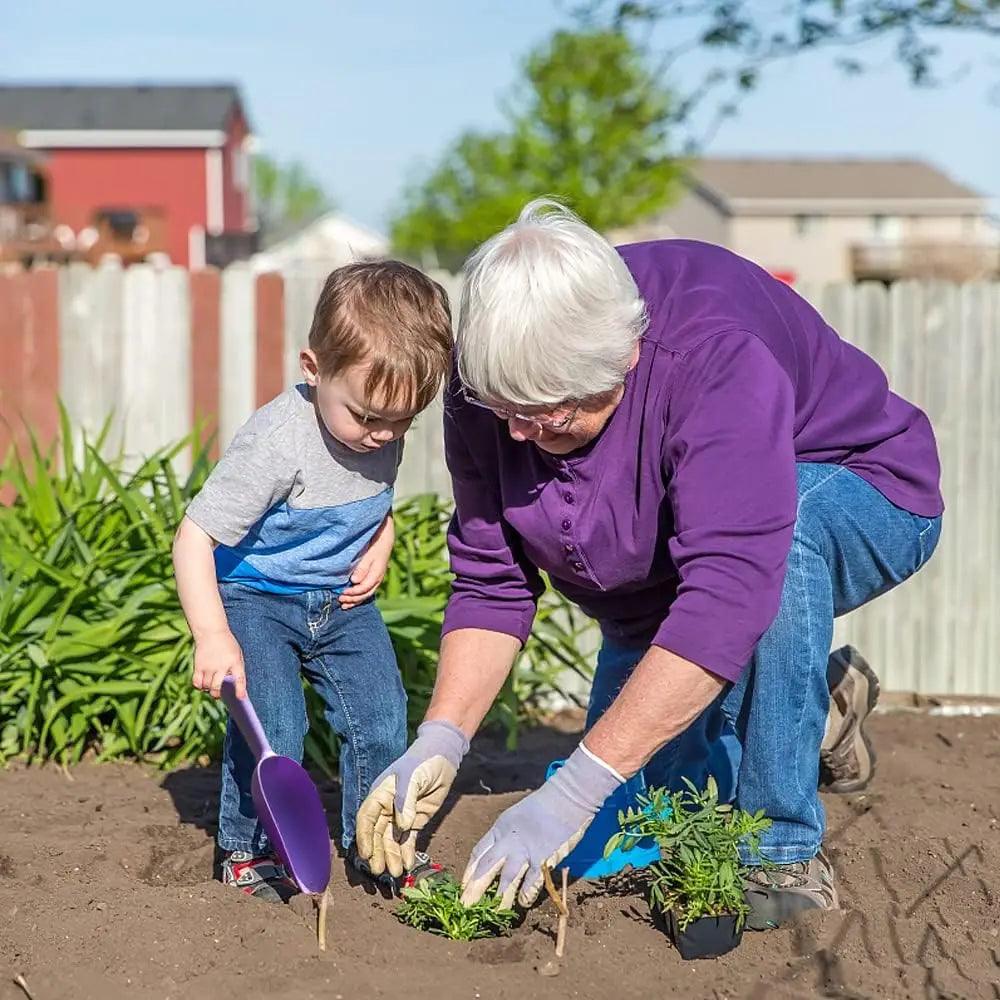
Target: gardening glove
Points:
(539, 830)
(406, 795)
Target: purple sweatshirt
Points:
(674, 525)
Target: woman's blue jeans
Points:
(761, 738)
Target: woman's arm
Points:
(664, 695)
(473, 667)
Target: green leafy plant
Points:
(435, 905)
(94, 651)
(700, 873)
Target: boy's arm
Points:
(253, 475)
(370, 571)
(216, 651)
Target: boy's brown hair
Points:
(392, 317)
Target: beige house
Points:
(826, 220)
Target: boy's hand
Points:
(371, 568)
(216, 656)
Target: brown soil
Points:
(106, 892)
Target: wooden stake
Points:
(563, 916)
(20, 980)
(321, 923)
(561, 904)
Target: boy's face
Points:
(340, 399)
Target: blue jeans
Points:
(761, 738)
(348, 659)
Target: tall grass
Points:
(94, 651)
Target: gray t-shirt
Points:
(291, 507)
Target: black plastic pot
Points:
(706, 937)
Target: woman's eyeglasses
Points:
(556, 419)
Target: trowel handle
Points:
(241, 709)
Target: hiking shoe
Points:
(846, 759)
(391, 885)
(779, 893)
(259, 876)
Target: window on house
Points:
(887, 227)
(806, 225)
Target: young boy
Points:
(279, 556)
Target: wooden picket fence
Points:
(162, 350)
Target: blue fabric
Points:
(348, 659)
(291, 551)
(761, 738)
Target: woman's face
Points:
(583, 422)
(561, 429)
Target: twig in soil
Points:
(564, 916)
(560, 904)
(20, 980)
(322, 904)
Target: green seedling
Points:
(700, 873)
(436, 906)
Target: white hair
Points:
(549, 311)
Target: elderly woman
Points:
(695, 458)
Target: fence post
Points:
(238, 360)
(156, 359)
(91, 329)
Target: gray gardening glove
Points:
(539, 830)
(406, 795)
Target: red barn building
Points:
(179, 155)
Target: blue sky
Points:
(363, 93)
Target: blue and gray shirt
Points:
(290, 506)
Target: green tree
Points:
(286, 196)
(747, 36)
(587, 124)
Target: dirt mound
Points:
(106, 891)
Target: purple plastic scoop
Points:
(287, 802)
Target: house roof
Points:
(747, 185)
(116, 108)
(332, 240)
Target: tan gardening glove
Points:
(406, 795)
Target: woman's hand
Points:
(371, 568)
(406, 795)
(539, 830)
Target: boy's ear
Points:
(309, 366)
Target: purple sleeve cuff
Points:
(686, 640)
(464, 611)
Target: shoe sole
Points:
(863, 748)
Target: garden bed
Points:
(105, 892)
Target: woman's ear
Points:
(309, 366)
(635, 355)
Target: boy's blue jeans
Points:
(761, 738)
(348, 659)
